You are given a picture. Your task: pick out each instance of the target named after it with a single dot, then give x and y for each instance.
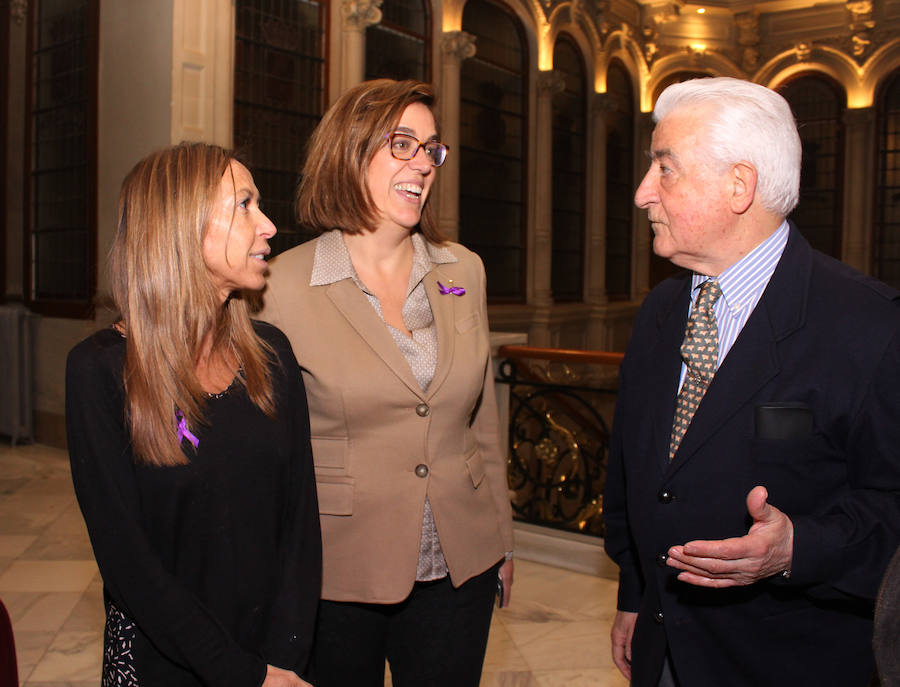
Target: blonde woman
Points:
(389, 323)
(189, 441)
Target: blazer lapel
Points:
(352, 304)
(443, 307)
(664, 373)
(753, 359)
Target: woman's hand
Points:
(506, 579)
(278, 677)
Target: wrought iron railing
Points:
(560, 412)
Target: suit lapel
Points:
(352, 304)
(753, 359)
(443, 308)
(665, 372)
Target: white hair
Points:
(747, 123)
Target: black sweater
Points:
(217, 562)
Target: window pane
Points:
(887, 217)
(398, 47)
(61, 226)
(492, 148)
(278, 99)
(817, 107)
(619, 182)
(569, 167)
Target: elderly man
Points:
(753, 494)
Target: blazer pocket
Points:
(467, 323)
(330, 452)
(335, 495)
(475, 466)
(783, 421)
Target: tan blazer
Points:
(380, 444)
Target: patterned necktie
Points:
(700, 352)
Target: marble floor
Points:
(555, 633)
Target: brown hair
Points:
(167, 301)
(333, 192)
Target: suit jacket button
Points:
(665, 496)
(658, 617)
(661, 559)
(422, 410)
(421, 470)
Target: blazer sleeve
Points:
(486, 424)
(289, 640)
(847, 546)
(172, 618)
(617, 541)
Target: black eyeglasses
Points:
(405, 147)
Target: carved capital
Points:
(861, 13)
(18, 10)
(458, 44)
(749, 59)
(861, 43)
(657, 14)
(356, 15)
(550, 83)
(601, 104)
(860, 9)
(748, 28)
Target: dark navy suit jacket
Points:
(822, 349)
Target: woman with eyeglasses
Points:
(389, 324)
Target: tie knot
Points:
(709, 294)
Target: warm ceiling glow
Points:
(698, 47)
(701, 10)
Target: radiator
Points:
(16, 373)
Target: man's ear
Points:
(743, 186)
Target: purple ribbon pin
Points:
(184, 432)
(455, 290)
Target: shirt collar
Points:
(332, 261)
(744, 281)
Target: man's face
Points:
(686, 195)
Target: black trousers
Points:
(436, 637)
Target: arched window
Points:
(399, 46)
(619, 181)
(817, 104)
(493, 126)
(886, 246)
(569, 166)
(61, 157)
(279, 92)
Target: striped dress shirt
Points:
(742, 286)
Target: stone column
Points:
(356, 16)
(596, 208)
(540, 255)
(859, 189)
(456, 46)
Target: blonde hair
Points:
(333, 192)
(167, 302)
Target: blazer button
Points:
(661, 559)
(422, 410)
(658, 617)
(421, 470)
(665, 496)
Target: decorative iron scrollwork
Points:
(558, 445)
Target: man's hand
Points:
(278, 677)
(766, 550)
(621, 634)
